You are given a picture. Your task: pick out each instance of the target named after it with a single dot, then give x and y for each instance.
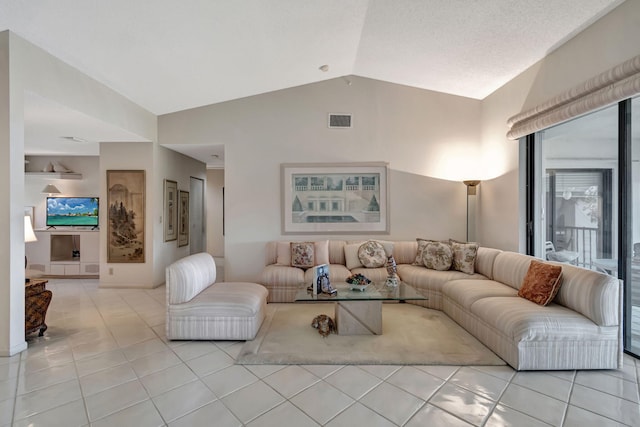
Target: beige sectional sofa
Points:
(580, 329)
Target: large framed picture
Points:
(170, 210)
(125, 219)
(319, 198)
(183, 219)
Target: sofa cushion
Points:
(224, 299)
(283, 253)
(302, 254)
(405, 251)
(351, 255)
(484, 261)
(464, 256)
(372, 254)
(437, 256)
(321, 252)
(522, 320)
(421, 277)
(542, 282)
(510, 268)
(595, 295)
(465, 292)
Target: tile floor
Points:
(104, 361)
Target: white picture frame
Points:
(338, 198)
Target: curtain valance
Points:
(614, 85)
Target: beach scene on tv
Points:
(72, 211)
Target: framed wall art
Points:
(183, 219)
(335, 198)
(126, 216)
(170, 210)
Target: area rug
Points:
(412, 335)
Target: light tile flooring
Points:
(105, 362)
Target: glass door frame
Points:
(532, 154)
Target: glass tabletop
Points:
(376, 291)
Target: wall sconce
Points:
(50, 189)
(472, 188)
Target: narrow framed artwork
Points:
(183, 219)
(170, 210)
(126, 216)
(319, 198)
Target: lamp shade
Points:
(51, 189)
(29, 235)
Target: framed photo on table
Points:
(321, 198)
(183, 218)
(170, 210)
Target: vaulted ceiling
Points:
(168, 55)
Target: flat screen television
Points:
(72, 211)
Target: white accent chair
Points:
(200, 309)
(568, 257)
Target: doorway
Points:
(198, 232)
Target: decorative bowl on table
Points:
(358, 282)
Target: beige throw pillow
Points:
(372, 254)
(464, 256)
(302, 254)
(437, 256)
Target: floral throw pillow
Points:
(372, 254)
(464, 256)
(542, 282)
(437, 256)
(302, 254)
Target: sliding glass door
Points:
(632, 285)
(584, 199)
(576, 207)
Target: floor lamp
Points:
(472, 188)
(29, 236)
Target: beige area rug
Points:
(412, 335)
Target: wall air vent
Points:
(340, 121)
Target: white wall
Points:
(214, 195)
(12, 210)
(176, 167)
(89, 185)
(426, 137)
(608, 42)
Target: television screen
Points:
(72, 211)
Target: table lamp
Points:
(29, 236)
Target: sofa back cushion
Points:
(336, 252)
(592, 294)
(404, 252)
(595, 295)
(484, 261)
(189, 276)
(510, 268)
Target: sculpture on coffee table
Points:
(392, 272)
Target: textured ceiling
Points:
(168, 55)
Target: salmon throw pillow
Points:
(542, 282)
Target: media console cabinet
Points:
(65, 252)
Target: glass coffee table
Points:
(359, 312)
